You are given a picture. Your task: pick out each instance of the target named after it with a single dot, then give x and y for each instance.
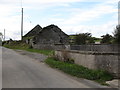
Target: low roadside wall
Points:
(48, 46)
(96, 47)
(93, 60)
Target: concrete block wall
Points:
(93, 60)
(96, 48)
(108, 62)
(48, 46)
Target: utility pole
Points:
(22, 25)
(4, 35)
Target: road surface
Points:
(21, 71)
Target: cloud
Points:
(96, 30)
(10, 18)
(90, 14)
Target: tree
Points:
(1, 36)
(117, 35)
(83, 38)
(107, 39)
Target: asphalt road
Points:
(21, 71)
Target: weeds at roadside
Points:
(26, 47)
(79, 71)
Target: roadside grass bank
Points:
(26, 47)
(99, 76)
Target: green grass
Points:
(97, 40)
(23, 46)
(45, 52)
(99, 76)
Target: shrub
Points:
(117, 35)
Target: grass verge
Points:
(45, 52)
(24, 46)
(99, 76)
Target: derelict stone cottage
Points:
(49, 37)
(31, 34)
(34, 31)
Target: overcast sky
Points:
(72, 16)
